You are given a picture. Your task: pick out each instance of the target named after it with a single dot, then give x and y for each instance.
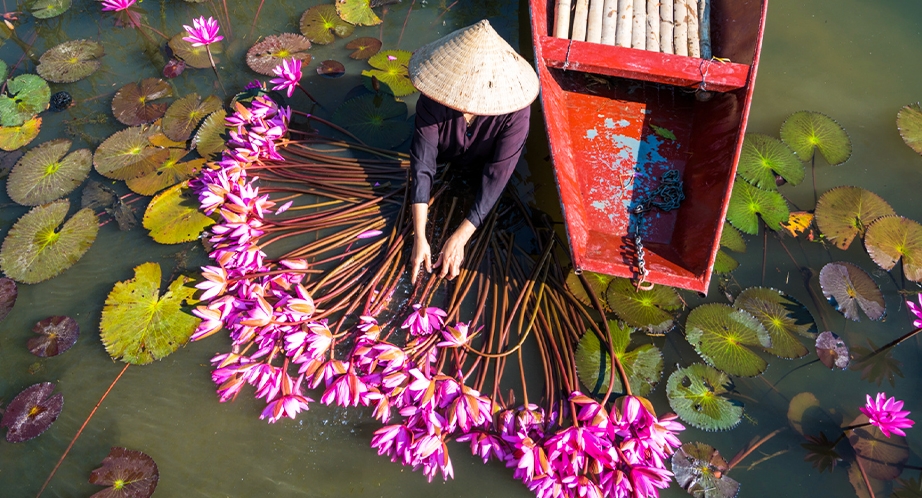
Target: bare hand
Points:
(421, 258)
(451, 257)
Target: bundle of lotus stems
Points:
(680, 27)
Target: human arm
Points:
(423, 153)
(422, 254)
(452, 254)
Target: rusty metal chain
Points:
(668, 196)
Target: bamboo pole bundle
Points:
(704, 27)
(580, 15)
(609, 22)
(562, 19)
(666, 27)
(639, 30)
(653, 25)
(680, 35)
(694, 40)
(594, 23)
(625, 18)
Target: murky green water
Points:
(854, 60)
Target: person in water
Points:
(473, 112)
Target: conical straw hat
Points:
(474, 70)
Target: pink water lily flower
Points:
(887, 414)
(116, 5)
(916, 309)
(203, 32)
(289, 404)
(424, 321)
(289, 74)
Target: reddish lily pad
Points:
(321, 24)
(882, 457)
(173, 68)
(194, 56)
(129, 154)
(331, 69)
(44, 173)
(364, 47)
(56, 334)
(892, 238)
(132, 104)
(32, 412)
(832, 351)
(127, 473)
(171, 172)
(70, 61)
(186, 113)
(14, 137)
(848, 287)
(844, 212)
(8, 294)
(272, 50)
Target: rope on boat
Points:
(668, 196)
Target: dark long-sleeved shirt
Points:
(494, 143)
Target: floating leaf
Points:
(8, 160)
(185, 114)
(650, 310)
(597, 281)
(746, 202)
(44, 174)
(208, 140)
(32, 412)
(821, 452)
(696, 394)
(782, 317)
(123, 214)
(798, 407)
(4, 70)
(848, 287)
(8, 294)
(701, 471)
(168, 174)
(133, 103)
(663, 132)
(832, 350)
(35, 250)
(70, 61)
(331, 69)
(911, 488)
(138, 325)
(129, 154)
(643, 365)
(29, 95)
(891, 238)
(763, 157)
(194, 56)
(391, 71)
(721, 334)
(320, 23)
(272, 50)
(378, 120)
(357, 12)
(724, 263)
(844, 212)
(876, 367)
(128, 473)
(173, 218)
(805, 131)
(46, 9)
(732, 239)
(56, 334)
(909, 122)
(798, 222)
(882, 457)
(14, 137)
(96, 195)
(364, 47)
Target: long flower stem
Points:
(215, 68)
(895, 342)
(607, 340)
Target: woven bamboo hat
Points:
(474, 70)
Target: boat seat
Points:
(677, 70)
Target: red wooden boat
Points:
(612, 139)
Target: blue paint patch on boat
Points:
(628, 147)
(590, 134)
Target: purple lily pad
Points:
(832, 350)
(848, 288)
(56, 334)
(331, 69)
(127, 473)
(32, 412)
(8, 294)
(174, 68)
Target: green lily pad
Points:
(806, 131)
(650, 310)
(909, 122)
(322, 24)
(4, 70)
(848, 287)
(643, 365)
(844, 212)
(35, 249)
(701, 471)
(357, 12)
(696, 394)
(70, 61)
(172, 217)
(721, 334)
(724, 263)
(763, 157)
(364, 47)
(129, 154)
(127, 473)
(14, 137)
(133, 103)
(390, 69)
(186, 113)
(882, 457)
(272, 50)
(46, 9)
(597, 281)
(783, 318)
(747, 202)
(139, 325)
(892, 238)
(29, 95)
(171, 172)
(378, 120)
(208, 140)
(732, 239)
(194, 56)
(44, 174)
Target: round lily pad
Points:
(127, 473)
(208, 140)
(732, 239)
(748, 202)
(701, 471)
(171, 172)
(129, 154)
(806, 131)
(763, 157)
(272, 50)
(651, 310)
(909, 122)
(643, 365)
(173, 217)
(724, 263)
(14, 137)
(32, 412)
(832, 351)
(597, 281)
(799, 406)
(782, 316)
(721, 334)
(696, 394)
(844, 212)
(28, 96)
(173, 68)
(390, 69)
(364, 47)
(139, 325)
(321, 22)
(357, 12)
(46, 9)
(56, 334)
(45, 174)
(70, 61)
(186, 113)
(35, 249)
(882, 457)
(378, 120)
(848, 287)
(133, 103)
(891, 238)
(331, 69)
(194, 56)
(8, 294)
